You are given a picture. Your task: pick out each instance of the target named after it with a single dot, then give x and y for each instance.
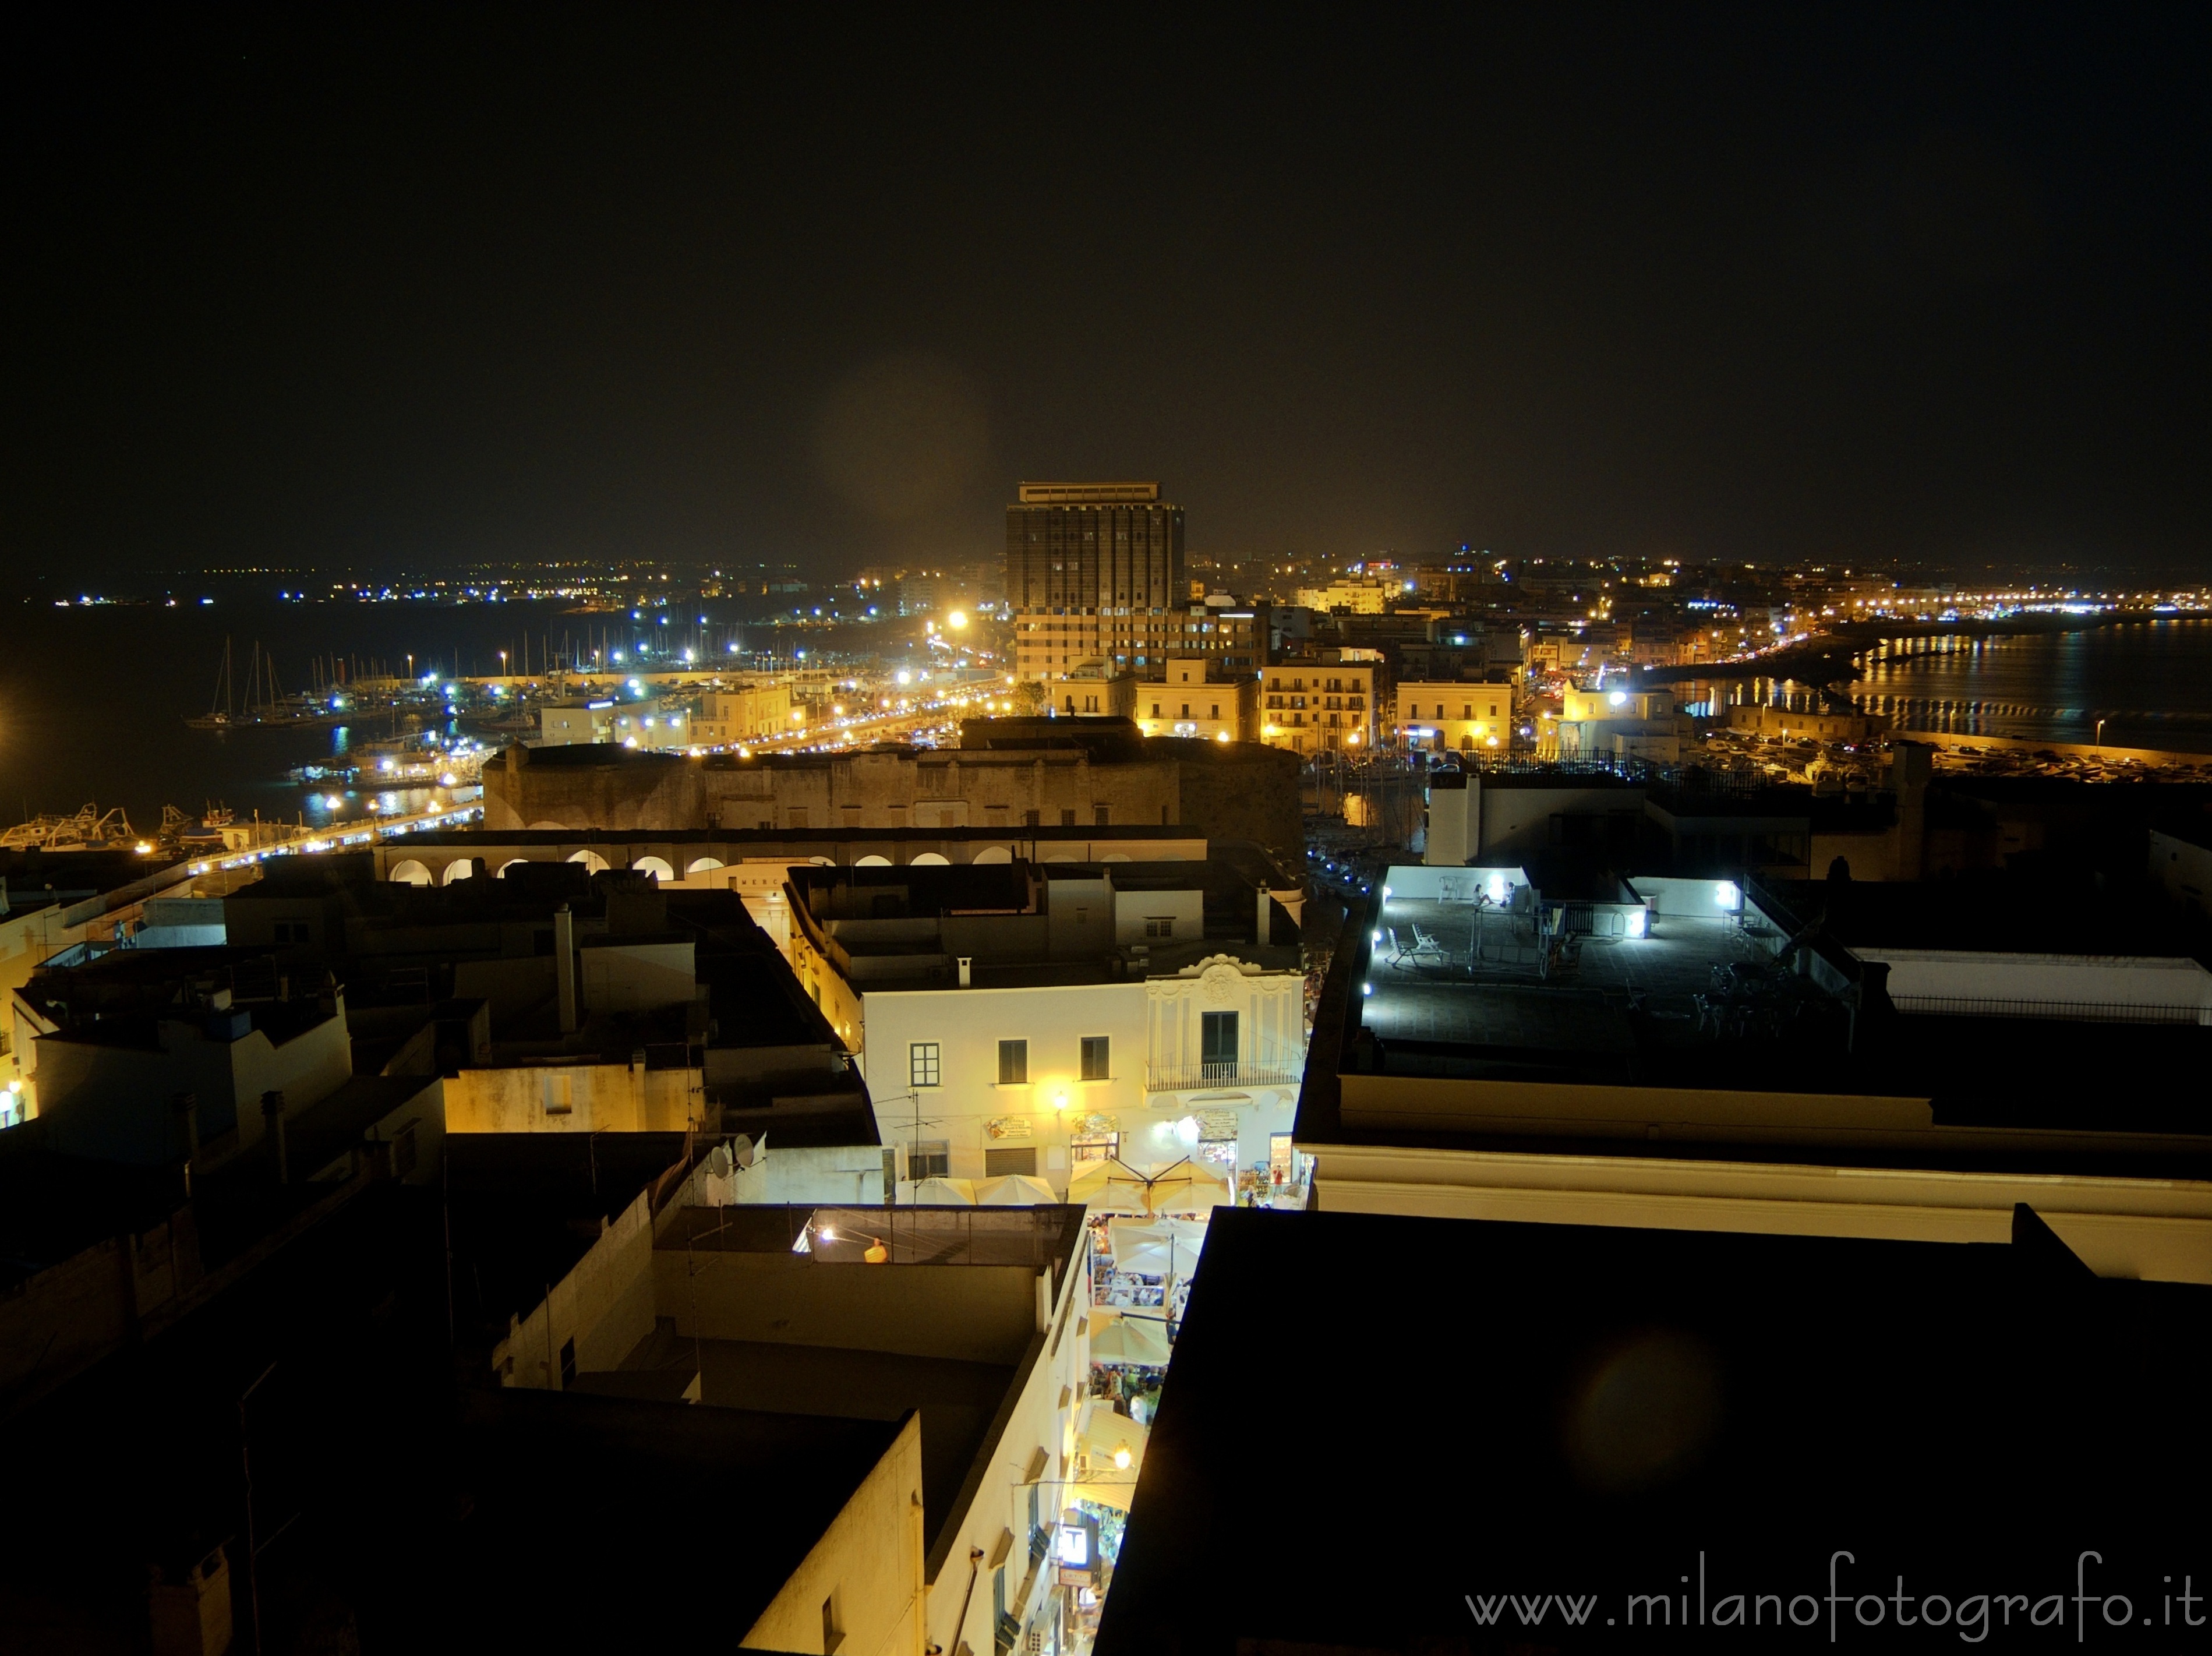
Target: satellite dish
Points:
(718, 1163)
(747, 1152)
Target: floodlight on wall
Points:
(1121, 1457)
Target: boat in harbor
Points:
(265, 702)
(421, 761)
(90, 830)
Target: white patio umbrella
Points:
(1110, 1187)
(1127, 1343)
(1190, 1188)
(944, 1193)
(1015, 1190)
(1159, 1247)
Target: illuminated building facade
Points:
(1094, 573)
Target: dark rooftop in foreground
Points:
(1611, 1412)
(742, 1494)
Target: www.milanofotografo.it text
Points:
(1857, 1608)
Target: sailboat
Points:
(219, 716)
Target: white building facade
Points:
(982, 1082)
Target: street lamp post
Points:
(2100, 733)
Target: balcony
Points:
(1183, 1078)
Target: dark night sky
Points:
(359, 286)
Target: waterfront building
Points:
(1614, 724)
(1319, 703)
(1199, 694)
(748, 713)
(651, 721)
(1094, 573)
(1008, 775)
(1454, 717)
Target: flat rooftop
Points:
(1486, 981)
(1697, 1029)
(698, 1517)
(1622, 1410)
(956, 1400)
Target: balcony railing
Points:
(1179, 1078)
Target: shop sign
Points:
(1217, 1123)
(1003, 1127)
(1096, 1125)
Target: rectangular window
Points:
(1098, 813)
(1156, 710)
(1013, 1063)
(1097, 1056)
(1159, 925)
(998, 1164)
(1031, 819)
(1219, 1034)
(1067, 816)
(922, 1064)
(929, 1157)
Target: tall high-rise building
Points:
(1094, 577)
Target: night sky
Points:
(372, 287)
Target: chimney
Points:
(272, 1113)
(966, 963)
(564, 965)
(1259, 933)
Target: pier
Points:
(367, 832)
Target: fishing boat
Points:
(89, 830)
